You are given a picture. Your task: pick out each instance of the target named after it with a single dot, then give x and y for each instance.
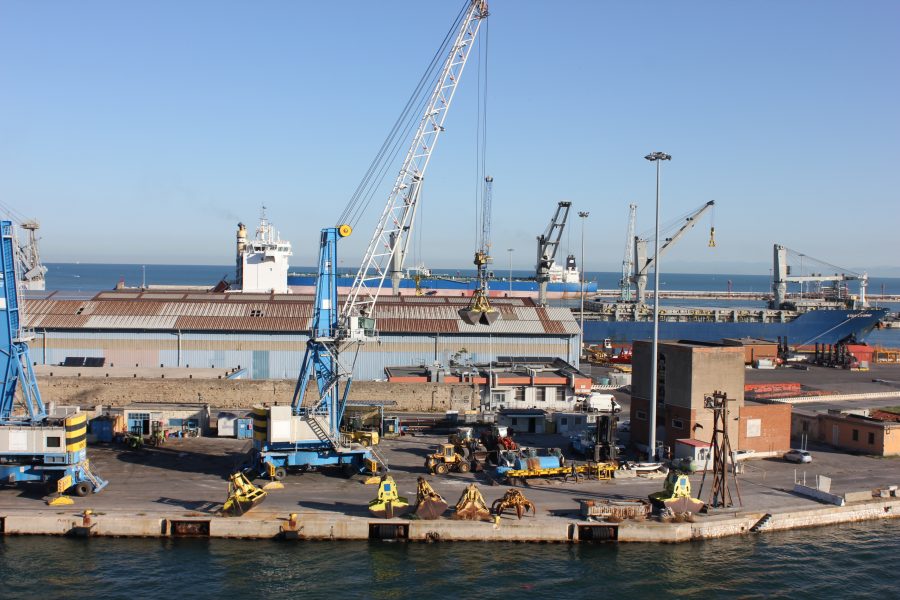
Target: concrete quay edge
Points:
(325, 526)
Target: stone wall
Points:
(244, 393)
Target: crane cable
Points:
(481, 141)
(405, 123)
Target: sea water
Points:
(842, 561)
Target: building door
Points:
(532, 425)
(260, 364)
(139, 423)
(835, 435)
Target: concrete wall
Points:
(244, 393)
(279, 355)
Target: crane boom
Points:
(642, 263)
(15, 361)
(628, 260)
(392, 233)
(310, 436)
(547, 245)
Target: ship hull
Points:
(306, 284)
(824, 326)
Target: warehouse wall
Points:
(278, 356)
(243, 393)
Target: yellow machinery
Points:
(389, 503)
(242, 495)
(429, 504)
(447, 459)
(366, 438)
(471, 505)
(676, 495)
(515, 500)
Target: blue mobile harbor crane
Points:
(305, 437)
(34, 445)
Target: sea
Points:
(841, 561)
(90, 278)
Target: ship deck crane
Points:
(642, 264)
(35, 445)
(309, 436)
(782, 276)
(547, 246)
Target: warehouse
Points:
(265, 334)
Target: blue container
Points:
(544, 462)
(102, 429)
(243, 429)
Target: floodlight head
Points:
(654, 156)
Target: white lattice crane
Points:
(309, 436)
(628, 260)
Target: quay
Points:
(176, 490)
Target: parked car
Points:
(743, 454)
(798, 456)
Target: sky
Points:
(142, 132)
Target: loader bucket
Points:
(472, 513)
(389, 509)
(242, 496)
(430, 509)
(488, 317)
(683, 505)
(469, 316)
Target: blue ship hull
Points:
(824, 326)
(457, 286)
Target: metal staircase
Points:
(321, 433)
(761, 524)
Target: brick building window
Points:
(856, 435)
(871, 438)
(640, 415)
(677, 423)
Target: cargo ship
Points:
(827, 316)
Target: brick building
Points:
(687, 373)
(875, 432)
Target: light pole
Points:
(656, 157)
(584, 215)
(510, 250)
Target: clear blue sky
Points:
(143, 131)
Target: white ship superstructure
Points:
(262, 263)
(32, 271)
(567, 274)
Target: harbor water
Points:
(846, 561)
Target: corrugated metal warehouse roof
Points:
(191, 311)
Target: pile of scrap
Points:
(429, 504)
(471, 505)
(614, 510)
